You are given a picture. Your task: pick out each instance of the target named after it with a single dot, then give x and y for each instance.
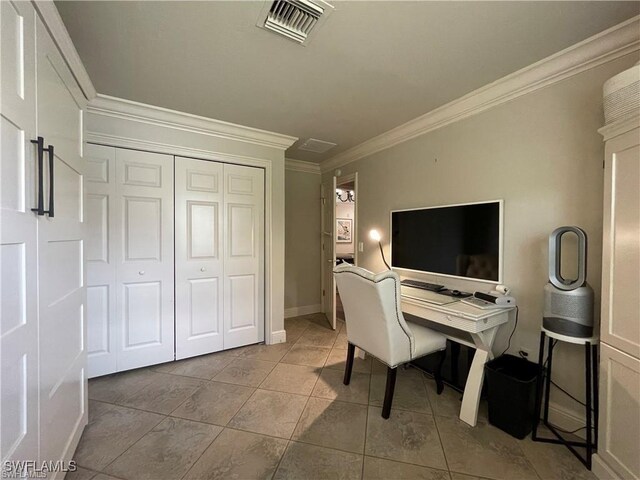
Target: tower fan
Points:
(568, 304)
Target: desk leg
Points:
(473, 388)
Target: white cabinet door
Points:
(100, 213)
(621, 244)
(144, 257)
(329, 250)
(18, 237)
(199, 248)
(62, 294)
(620, 411)
(243, 255)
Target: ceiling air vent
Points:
(294, 19)
(316, 146)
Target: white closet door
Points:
(199, 272)
(18, 237)
(100, 182)
(144, 258)
(243, 255)
(62, 294)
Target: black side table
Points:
(591, 384)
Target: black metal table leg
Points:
(547, 386)
(596, 393)
(538, 404)
(588, 392)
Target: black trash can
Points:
(511, 383)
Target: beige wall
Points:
(302, 240)
(542, 154)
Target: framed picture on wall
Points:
(343, 230)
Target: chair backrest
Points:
(372, 311)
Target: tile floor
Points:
(282, 412)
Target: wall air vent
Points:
(294, 19)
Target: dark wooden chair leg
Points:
(438, 374)
(388, 393)
(351, 351)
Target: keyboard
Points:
(432, 287)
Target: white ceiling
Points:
(372, 66)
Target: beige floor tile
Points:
(379, 469)
(117, 387)
(268, 353)
(239, 455)
(164, 394)
(333, 424)
(214, 403)
(305, 355)
(378, 367)
(270, 413)
(330, 386)
(80, 474)
(204, 366)
(316, 336)
(290, 378)
(554, 461)
(483, 450)
(300, 321)
(103, 476)
(462, 476)
(409, 394)
(111, 430)
(409, 437)
(448, 403)
(337, 360)
(341, 342)
(318, 319)
(309, 462)
(166, 452)
(245, 371)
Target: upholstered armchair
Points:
(375, 324)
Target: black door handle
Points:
(40, 208)
(51, 180)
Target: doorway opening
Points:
(339, 238)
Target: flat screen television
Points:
(462, 241)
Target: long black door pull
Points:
(51, 180)
(40, 208)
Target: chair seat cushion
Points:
(426, 340)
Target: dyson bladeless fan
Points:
(568, 304)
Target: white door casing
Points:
(62, 294)
(328, 246)
(18, 237)
(102, 238)
(243, 255)
(199, 212)
(144, 259)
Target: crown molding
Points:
(163, 117)
(301, 166)
(53, 21)
(604, 47)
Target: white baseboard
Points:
(601, 470)
(305, 310)
(279, 336)
(566, 420)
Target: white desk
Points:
(469, 326)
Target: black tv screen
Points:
(458, 240)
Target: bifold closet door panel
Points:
(199, 269)
(243, 255)
(100, 183)
(18, 237)
(61, 271)
(144, 258)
